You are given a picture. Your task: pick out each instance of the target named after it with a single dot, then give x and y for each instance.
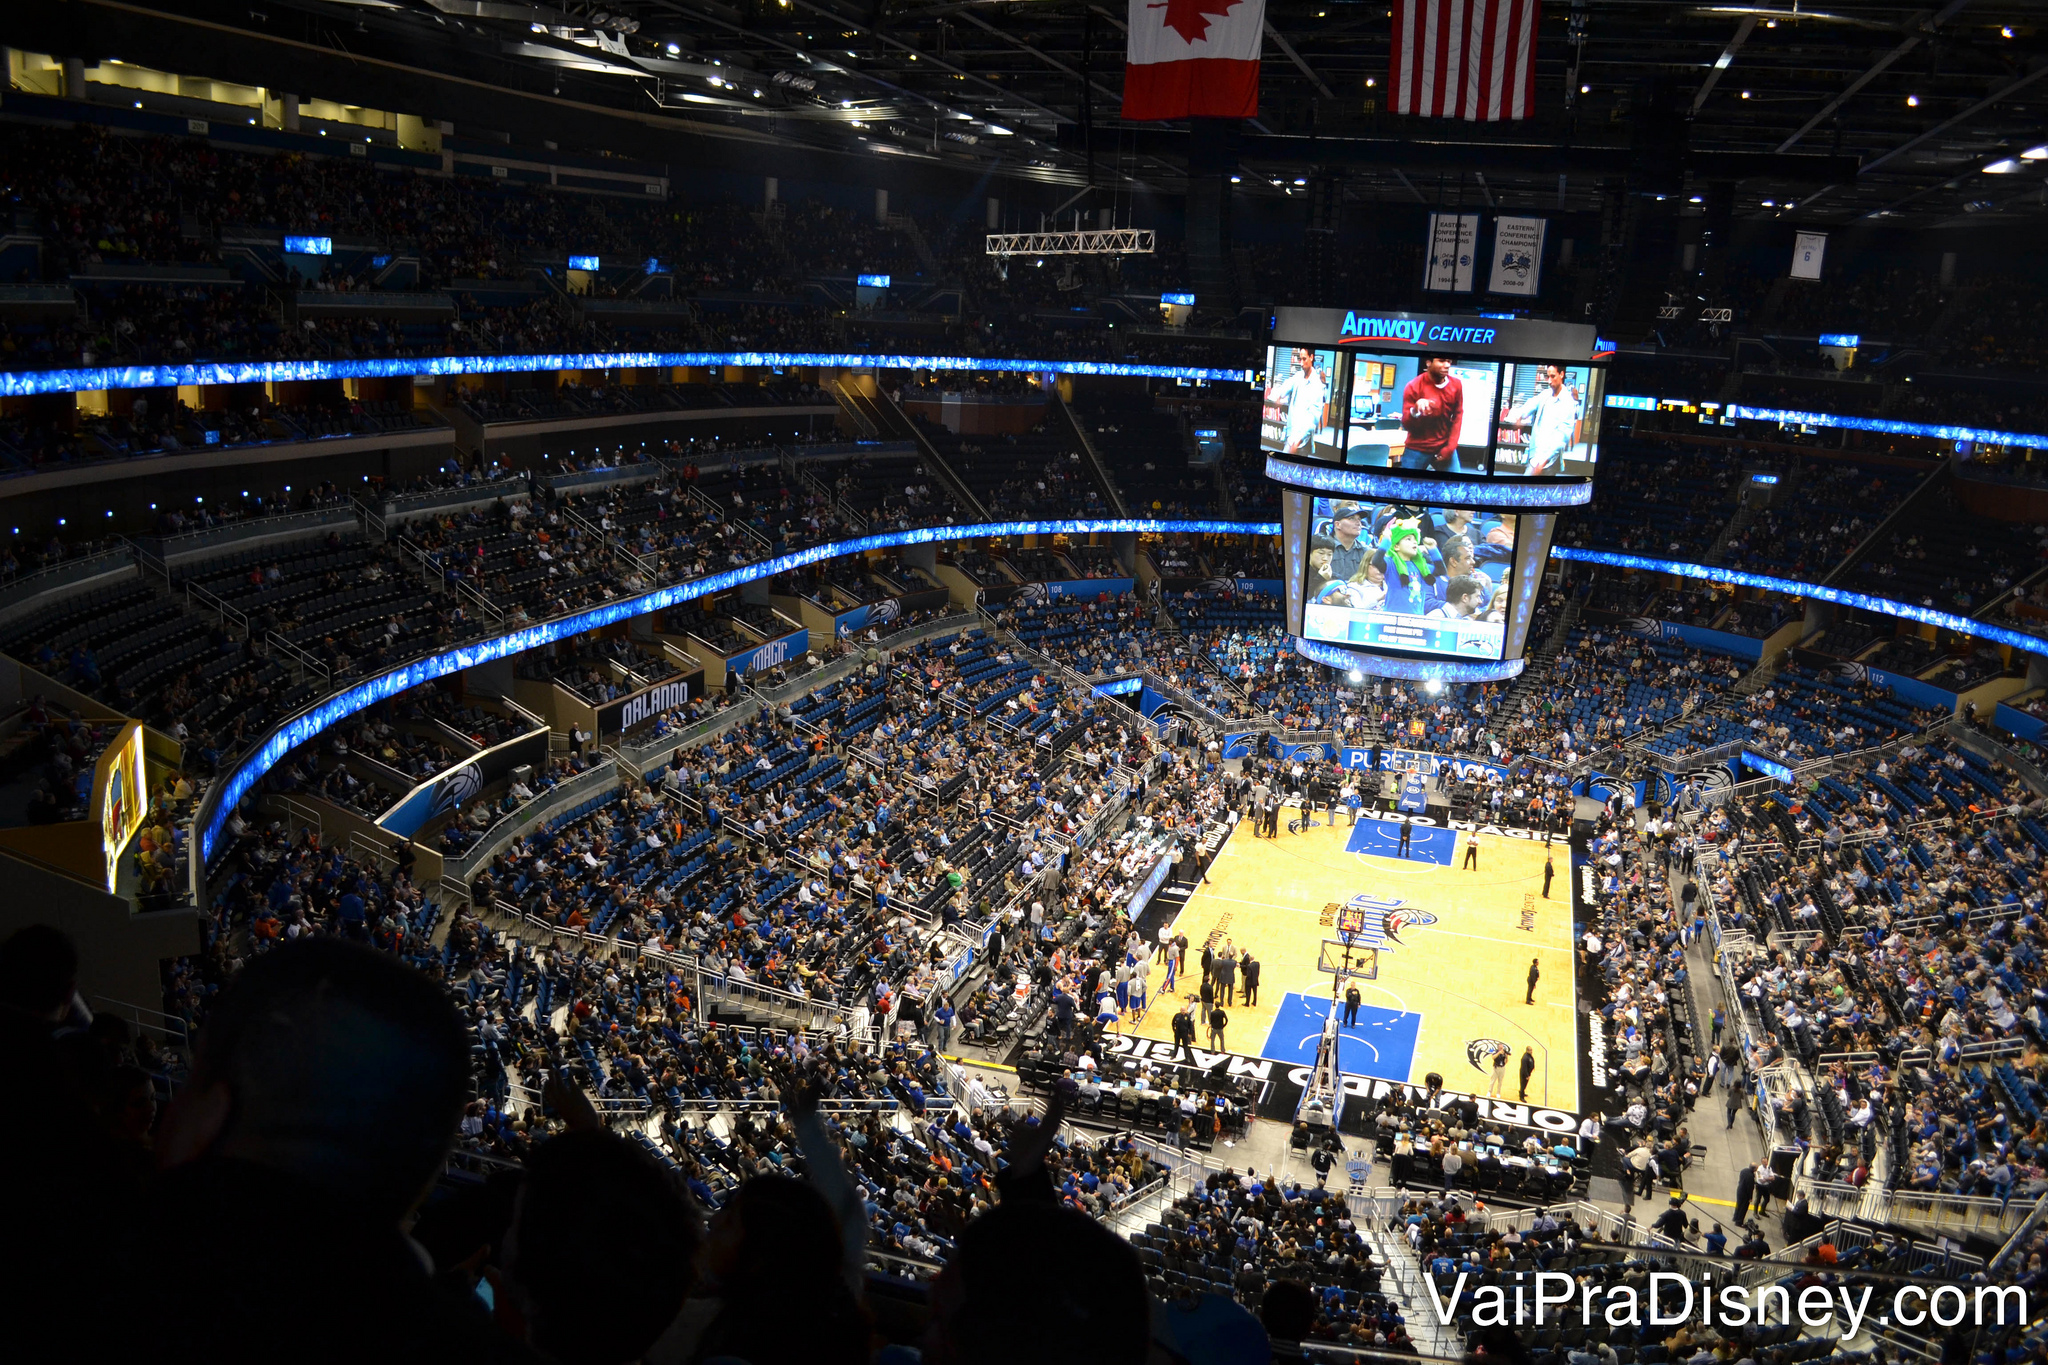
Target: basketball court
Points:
(1441, 957)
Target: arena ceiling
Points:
(1835, 112)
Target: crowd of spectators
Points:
(1901, 890)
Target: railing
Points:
(1969, 1215)
(506, 827)
(2020, 1236)
(305, 662)
(304, 816)
(817, 1014)
(1967, 735)
(845, 511)
(638, 757)
(434, 500)
(25, 589)
(597, 478)
(189, 543)
(169, 1027)
(196, 596)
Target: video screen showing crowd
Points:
(1394, 576)
(1436, 413)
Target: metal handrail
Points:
(306, 662)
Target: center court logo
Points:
(1481, 1052)
(1386, 917)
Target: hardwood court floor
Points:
(1452, 971)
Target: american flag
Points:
(1468, 59)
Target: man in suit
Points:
(1745, 1188)
(1528, 1070)
(1248, 968)
(1549, 871)
(1351, 999)
(1535, 975)
(1407, 834)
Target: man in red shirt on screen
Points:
(1432, 410)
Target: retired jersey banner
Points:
(1193, 59)
(1468, 59)
(1517, 256)
(1808, 251)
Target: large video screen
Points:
(1303, 402)
(1549, 419)
(1408, 578)
(1421, 412)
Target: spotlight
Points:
(1433, 686)
(1355, 676)
(1912, 101)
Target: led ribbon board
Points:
(2028, 440)
(1381, 486)
(1962, 625)
(1416, 670)
(227, 793)
(21, 384)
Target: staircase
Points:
(880, 417)
(1096, 469)
(1758, 678)
(905, 224)
(1536, 675)
(1747, 513)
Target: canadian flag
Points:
(1193, 59)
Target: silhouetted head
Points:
(332, 1062)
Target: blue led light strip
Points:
(1418, 670)
(2030, 440)
(304, 726)
(1479, 490)
(1962, 625)
(23, 383)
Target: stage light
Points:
(1355, 676)
(1912, 101)
(2035, 153)
(2005, 167)
(1433, 686)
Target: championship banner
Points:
(1517, 256)
(1453, 244)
